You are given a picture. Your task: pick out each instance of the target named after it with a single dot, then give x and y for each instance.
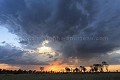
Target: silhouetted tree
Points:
(105, 64)
(41, 68)
(67, 69)
(91, 68)
(98, 67)
(76, 70)
(19, 71)
(82, 68)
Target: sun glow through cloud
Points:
(44, 49)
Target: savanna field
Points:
(60, 76)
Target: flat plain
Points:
(62, 76)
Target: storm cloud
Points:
(12, 55)
(33, 20)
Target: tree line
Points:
(93, 68)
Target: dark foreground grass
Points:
(67, 76)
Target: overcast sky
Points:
(38, 32)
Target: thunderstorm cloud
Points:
(75, 28)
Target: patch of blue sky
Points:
(7, 37)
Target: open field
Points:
(65, 76)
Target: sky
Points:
(59, 33)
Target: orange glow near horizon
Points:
(9, 67)
(54, 66)
(114, 67)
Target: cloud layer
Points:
(12, 55)
(33, 20)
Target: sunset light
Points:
(44, 49)
(60, 39)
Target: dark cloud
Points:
(3, 42)
(13, 55)
(65, 18)
(24, 42)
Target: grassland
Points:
(65, 76)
